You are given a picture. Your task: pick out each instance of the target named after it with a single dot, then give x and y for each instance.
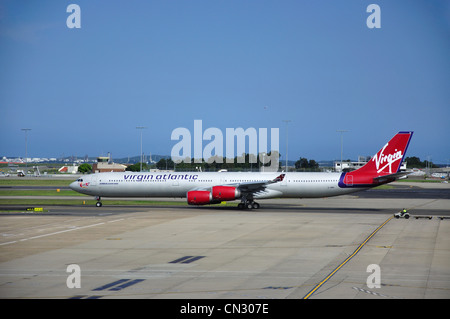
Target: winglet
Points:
(278, 178)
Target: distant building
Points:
(104, 165)
(69, 169)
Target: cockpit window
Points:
(79, 180)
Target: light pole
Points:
(342, 143)
(26, 151)
(141, 128)
(287, 121)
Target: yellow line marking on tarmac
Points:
(309, 294)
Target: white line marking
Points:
(50, 234)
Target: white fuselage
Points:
(177, 184)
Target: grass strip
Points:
(35, 182)
(38, 192)
(70, 202)
(64, 202)
(384, 187)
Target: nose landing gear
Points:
(99, 203)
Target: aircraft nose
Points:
(73, 185)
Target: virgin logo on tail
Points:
(386, 161)
(380, 158)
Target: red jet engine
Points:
(199, 197)
(218, 194)
(223, 193)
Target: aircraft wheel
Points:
(240, 206)
(249, 206)
(99, 204)
(255, 205)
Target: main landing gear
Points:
(248, 205)
(99, 203)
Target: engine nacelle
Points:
(222, 193)
(217, 194)
(199, 197)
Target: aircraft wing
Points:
(250, 187)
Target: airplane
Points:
(203, 188)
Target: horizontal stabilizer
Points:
(390, 177)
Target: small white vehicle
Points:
(403, 214)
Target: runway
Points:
(282, 251)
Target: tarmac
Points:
(347, 247)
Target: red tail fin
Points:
(386, 162)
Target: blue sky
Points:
(242, 63)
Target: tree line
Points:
(415, 162)
(305, 164)
(245, 162)
(237, 165)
